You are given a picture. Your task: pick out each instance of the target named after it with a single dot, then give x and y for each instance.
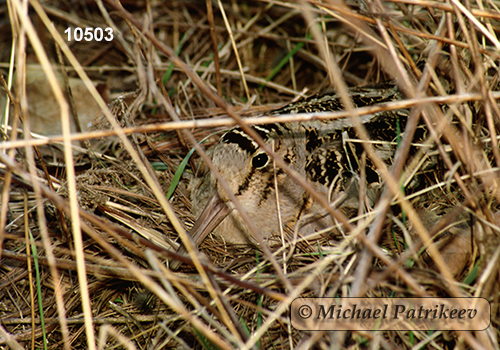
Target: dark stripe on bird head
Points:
(266, 129)
(262, 131)
(246, 143)
(246, 183)
(238, 137)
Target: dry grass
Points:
(86, 227)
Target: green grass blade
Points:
(182, 166)
(170, 69)
(38, 289)
(284, 61)
(178, 174)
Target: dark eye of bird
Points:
(260, 160)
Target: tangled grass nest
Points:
(87, 230)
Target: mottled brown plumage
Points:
(318, 150)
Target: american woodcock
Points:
(320, 150)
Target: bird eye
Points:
(260, 160)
